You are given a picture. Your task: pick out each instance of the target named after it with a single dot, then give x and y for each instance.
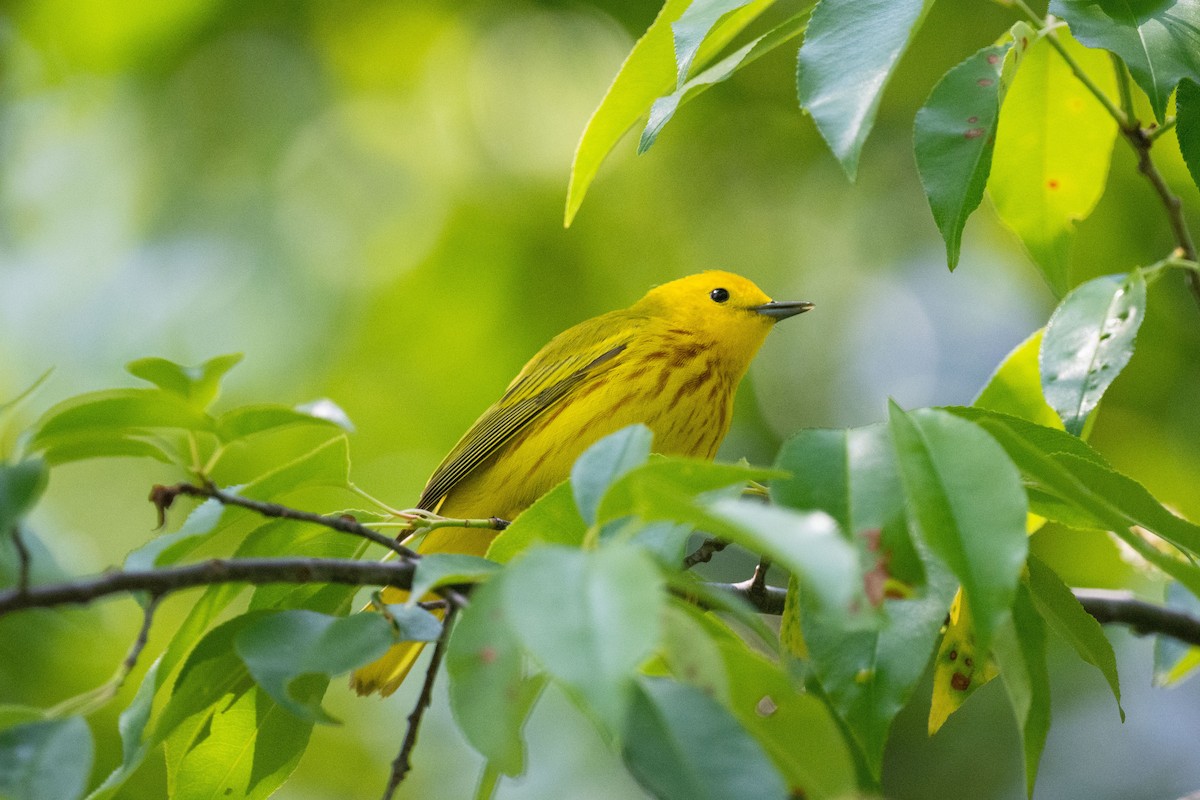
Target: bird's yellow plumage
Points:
(671, 361)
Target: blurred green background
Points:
(366, 199)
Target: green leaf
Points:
(198, 385)
(773, 711)
(638, 491)
(849, 54)
(664, 108)
(281, 647)
(695, 589)
(689, 648)
(552, 519)
(45, 759)
(1020, 651)
(670, 746)
(953, 137)
(1187, 126)
(1053, 146)
(1175, 660)
(1088, 341)
(444, 569)
(8, 406)
(114, 422)
(21, 485)
(849, 474)
(589, 617)
(169, 548)
(1158, 39)
(1066, 617)
(604, 463)
(132, 726)
(693, 25)
(248, 420)
(1016, 386)
(648, 72)
(968, 502)
(490, 694)
(251, 748)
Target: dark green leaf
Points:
(682, 745)
(48, 759)
(552, 519)
(1088, 341)
(968, 502)
(589, 617)
(664, 108)
(21, 485)
(279, 648)
(955, 132)
(490, 694)
(1187, 126)
(1158, 39)
(1066, 617)
(444, 569)
(849, 54)
(604, 463)
(198, 385)
(1020, 651)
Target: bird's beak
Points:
(782, 309)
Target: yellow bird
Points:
(671, 361)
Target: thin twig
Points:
(218, 570)
(139, 644)
(704, 553)
(24, 562)
(1144, 618)
(403, 762)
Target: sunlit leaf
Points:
(849, 54)
(589, 617)
(50, 758)
(1053, 146)
(604, 463)
(955, 132)
(490, 694)
(199, 385)
(960, 666)
(1016, 386)
(968, 502)
(552, 519)
(1020, 650)
(246, 420)
(693, 25)
(1067, 618)
(664, 108)
(1159, 40)
(1089, 340)
(668, 746)
(132, 726)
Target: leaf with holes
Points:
(1088, 341)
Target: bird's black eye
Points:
(719, 295)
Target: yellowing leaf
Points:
(960, 669)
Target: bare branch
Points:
(403, 762)
(218, 570)
(704, 553)
(1144, 618)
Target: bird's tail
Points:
(385, 674)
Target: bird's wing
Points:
(567, 361)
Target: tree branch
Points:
(23, 560)
(403, 762)
(218, 570)
(704, 553)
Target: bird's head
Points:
(726, 308)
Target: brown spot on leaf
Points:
(1052, 184)
(974, 133)
(765, 707)
(960, 682)
(986, 81)
(993, 59)
(488, 655)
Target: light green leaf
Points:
(693, 26)
(604, 463)
(849, 54)
(1020, 651)
(954, 134)
(664, 108)
(1159, 40)
(968, 502)
(169, 548)
(132, 726)
(8, 406)
(1053, 146)
(589, 617)
(443, 569)
(490, 694)
(1066, 617)
(638, 491)
(282, 647)
(648, 72)
(247, 420)
(1175, 660)
(46, 759)
(689, 650)
(668, 745)
(1089, 340)
(1187, 126)
(198, 385)
(552, 519)
(1016, 386)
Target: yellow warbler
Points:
(671, 361)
